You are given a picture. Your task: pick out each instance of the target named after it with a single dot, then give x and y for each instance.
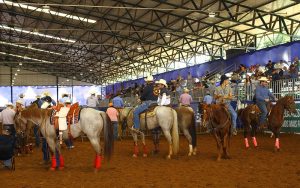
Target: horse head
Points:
(289, 104)
(206, 110)
(20, 122)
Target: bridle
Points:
(209, 111)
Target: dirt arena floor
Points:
(259, 167)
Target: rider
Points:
(48, 101)
(148, 97)
(118, 101)
(223, 94)
(185, 99)
(262, 96)
(164, 98)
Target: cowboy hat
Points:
(149, 78)
(38, 96)
(261, 69)
(21, 95)
(162, 81)
(46, 93)
(9, 104)
(278, 66)
(263, 79)
(186, 90)
(68, 100)
(20, 102)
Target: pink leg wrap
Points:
(277, 143)
(62, 162)
(98, 161)
(254, 141)
(246, 143)
(53, 164)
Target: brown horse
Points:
(218, 118)
(249, 117)
(276, 117)
(186, 122)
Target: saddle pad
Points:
(149, 114)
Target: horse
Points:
(163, 117)
(91, 123)
(276, 116)
(218, 118)
(249, 117)
(186, 122)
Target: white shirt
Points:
(7, 116)
(92, 101)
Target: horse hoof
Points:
(169, 157)
(145, 155)
(190, 154)
(134, 155)
(194, 153)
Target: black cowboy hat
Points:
(223, 78)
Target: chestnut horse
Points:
(186, 122)
(276, 117)
(218, 119)
(249, 118)
(91, 123)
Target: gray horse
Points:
(91, 123)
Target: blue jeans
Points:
(115, 126)
(37, 135)
(233, 116)
(7, 163)
(136, 114)
(264, 112)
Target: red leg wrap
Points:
(98, 161)
(62, 161)
(53, 164)
(277, 145)
(136, 150)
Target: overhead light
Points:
(46, 9)
(212, 14)
(167, 35)
(18, 70)
(74, 77)
(35, 33)
(68, 80)
(91, 70)
(25, 57)
(16, 74)
(20, 64)
(118, 58)
(139, 48)
(81, 74)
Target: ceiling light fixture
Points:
(46, 9)
(18, 70)
(139, 48)
(35, 33)
(212, 14)
(167, 35)
(20, 64)
(25, 57)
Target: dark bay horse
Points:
(186, 122)
(217, 117)
(276, 116)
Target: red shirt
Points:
(112, 113)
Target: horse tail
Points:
(175, 134)
(108, 136)
(192, 131)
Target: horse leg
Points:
(225, 146)
(219, 145)
(253, 135)
(189, 138)
(145, 149)
(95, 141)
(155, 137)
(135, 142)
(169, 139)
(56, 159)
(246, 130)
(277, 143)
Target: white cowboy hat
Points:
(162, 81)
(46, 93)
(149, 78)
(261, 69)
(68, 101)
(9, 104)
(186, 90)
(21, 95)
(265, 79)
(38, 96)
(20, 102)
(278, 66)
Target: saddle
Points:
(149, 112)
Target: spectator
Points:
(113, 115)
(118, 101)
(208, 99)
(185, 99)
(92, 101)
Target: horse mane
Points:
(34, 112)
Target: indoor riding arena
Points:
(149, 93)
